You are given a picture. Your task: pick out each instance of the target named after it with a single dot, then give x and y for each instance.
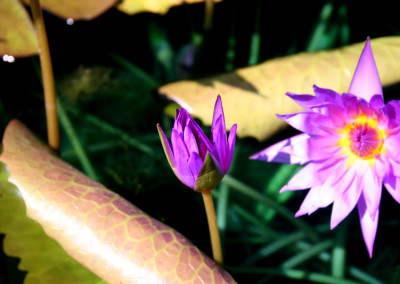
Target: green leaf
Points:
(42, 257)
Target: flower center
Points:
(362, 139)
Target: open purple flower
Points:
(350, 147)
(198, 162)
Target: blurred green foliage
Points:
(107, 71)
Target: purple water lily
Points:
(198, 162)
(350, 147)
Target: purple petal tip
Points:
(366, 82)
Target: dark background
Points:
(156, 44)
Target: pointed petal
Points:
(392, 185)
(395, 166)
(314, 174)
(166, 146)
(182, 119)
(392, 181)
(307, 177)
(309, 122)
(305, 101)
(218, 134)
(326, 95)
(182, 169)
(218, 113)
(313, 148)
(220, 144)
(392, 145)
(345, 203)
(366, 82)
(311, 202)
(365, 107)
(377, 102)
(231, 144)
(368, 224)
(383, 167)
(177, 123)
(273, 153)
(195, 164)
(338, 115)
(210, 174)
(190, 140)
(178, 146)
(372, 190)
(329, 191)
(392, 109)
(203, 143)
(350, 103)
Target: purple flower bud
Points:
(198, 162)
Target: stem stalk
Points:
(213, 226)
(53, 135)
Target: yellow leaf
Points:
(101, 230)
(17, 34)
(154, 6)
(77, 9)
(253, 96)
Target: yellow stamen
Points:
(362, 139)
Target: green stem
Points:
(291, 273)
(76, 144)
(231, 53)
(271, 234)
(274, 247)
(283, 211)
(316, 42)
(255, 37)
(363, 276)
(223, 199)
(116, 131)
(338, 263)
(222, 210)
(146, 78)
(53, 135)
(213, 226)
(95, 148)
(307, 254)
(280, 243)
(259, 240)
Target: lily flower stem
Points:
(209, 11)
(213, 226)
(48, 77)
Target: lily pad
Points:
(155, 6)
(97, 227)
(253, 96)
(77, 9)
